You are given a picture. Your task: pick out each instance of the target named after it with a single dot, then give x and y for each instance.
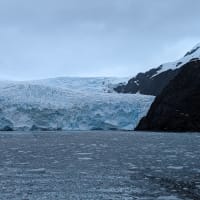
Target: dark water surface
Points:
(99, 165)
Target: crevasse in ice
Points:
(69, 104)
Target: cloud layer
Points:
(48, 38)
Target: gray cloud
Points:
(48, 38)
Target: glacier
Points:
(68, 103)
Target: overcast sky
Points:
(50, 38)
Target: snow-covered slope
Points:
(193, 54)
(153, 81)
(69, 104)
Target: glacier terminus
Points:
(68, 103)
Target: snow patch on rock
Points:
(192, 55)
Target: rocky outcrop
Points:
(153, 81)
(148, 84)
(177, 108)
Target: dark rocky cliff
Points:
(177, 108)
(147, 83)
(155, 80)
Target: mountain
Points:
(153, 81)
(177, 107)
(69, 104)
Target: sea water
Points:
(99, 165)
